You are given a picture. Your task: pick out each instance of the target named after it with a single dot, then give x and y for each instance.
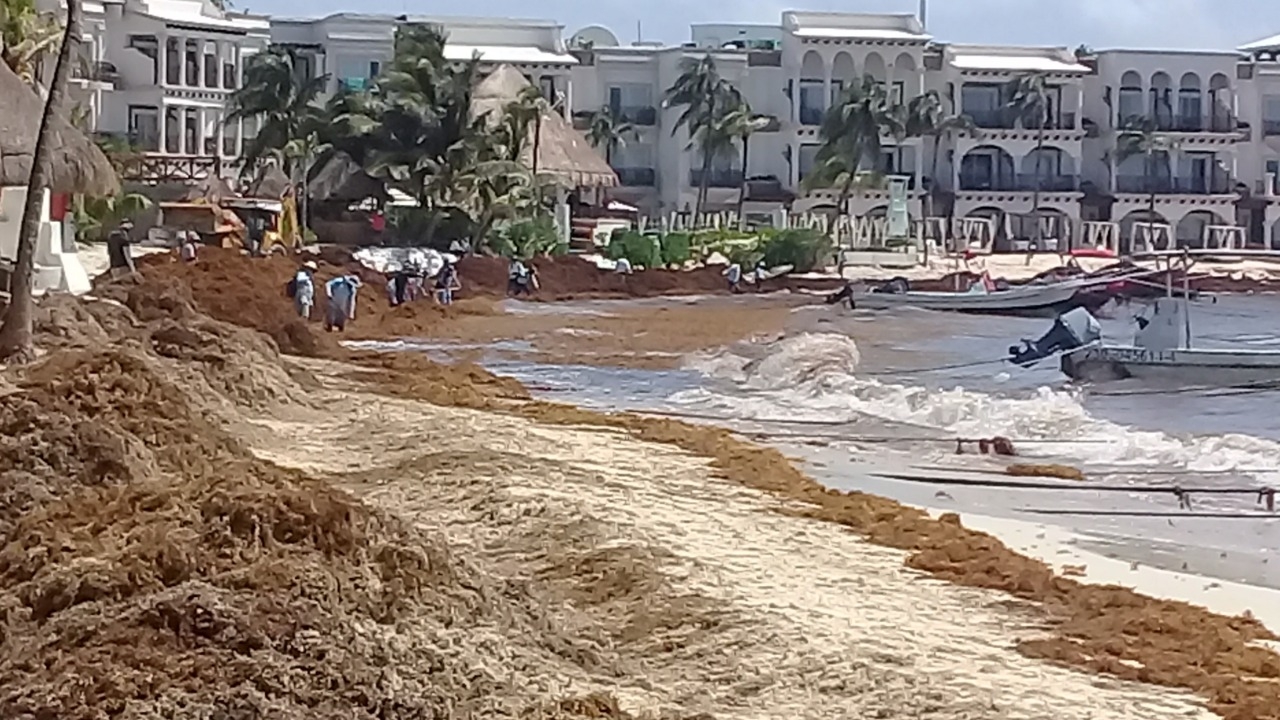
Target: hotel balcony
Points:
(1271, 128)
(636, 176)
(716, 178)
(1007, 119)
(1022, 182)
(1198, 124)
(1217, 184)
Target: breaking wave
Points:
(814, 377)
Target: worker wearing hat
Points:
(119, 253)
(304, 289)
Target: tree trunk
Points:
(15, 333)
(1036, 235)
(703, 183)
(742, 186)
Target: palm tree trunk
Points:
(703, 184)
(16, 344)
(1036, 235)
(742, 185)
(1149, 171)
(933, 174)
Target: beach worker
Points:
(302, 288)
(760, 274)
(187, 247)
(341, 294)
(623, 267)
(119, 249)
(447, 284)
(733, 274)
(398, 287)
(519, 278)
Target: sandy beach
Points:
(194, 520)
(643, 540)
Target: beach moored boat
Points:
(1161, 350)
(1016, 300)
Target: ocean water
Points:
(854, 394)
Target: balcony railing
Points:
(636, 176)
(1221, 123)
(716, 178)
(1022, 182)
(1008, 119)
(1217, 184)
(1271, 128)
(811, 115)
(642, 115)
(992, 119)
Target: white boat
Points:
(1018, 299)
(1161, 353)
(1161, 350)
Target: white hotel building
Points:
(1223, 108)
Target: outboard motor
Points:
(845, 293)
(1073, 329)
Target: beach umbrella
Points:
(78, 166)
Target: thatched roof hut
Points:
(78, 166)
(563, 153)
(341, 179)
(271, 182)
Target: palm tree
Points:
(926, 116)
(1141, 137)
(284, 103)
(850, 137)
(706, 97)
(740, 123)
(607, 131)
(1029, 98)
(26, 35)
(15, 332)
(416, 117)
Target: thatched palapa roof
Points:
(563, 153)
(271, 182)
(343, 180)
(78, 166)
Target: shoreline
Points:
(1165, 643)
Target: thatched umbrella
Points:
(271, 182)
(343, 180)
(77, 165)
(563, 153)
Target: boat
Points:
(1161, 351)
(984, 296)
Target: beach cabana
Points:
(78, 167)
(564, 157)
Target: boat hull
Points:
(1019, 301)
(1190, 367)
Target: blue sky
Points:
(1191, 24)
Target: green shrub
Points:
(806, 249)
(525, 239)
(642, 251)
(677, 249)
